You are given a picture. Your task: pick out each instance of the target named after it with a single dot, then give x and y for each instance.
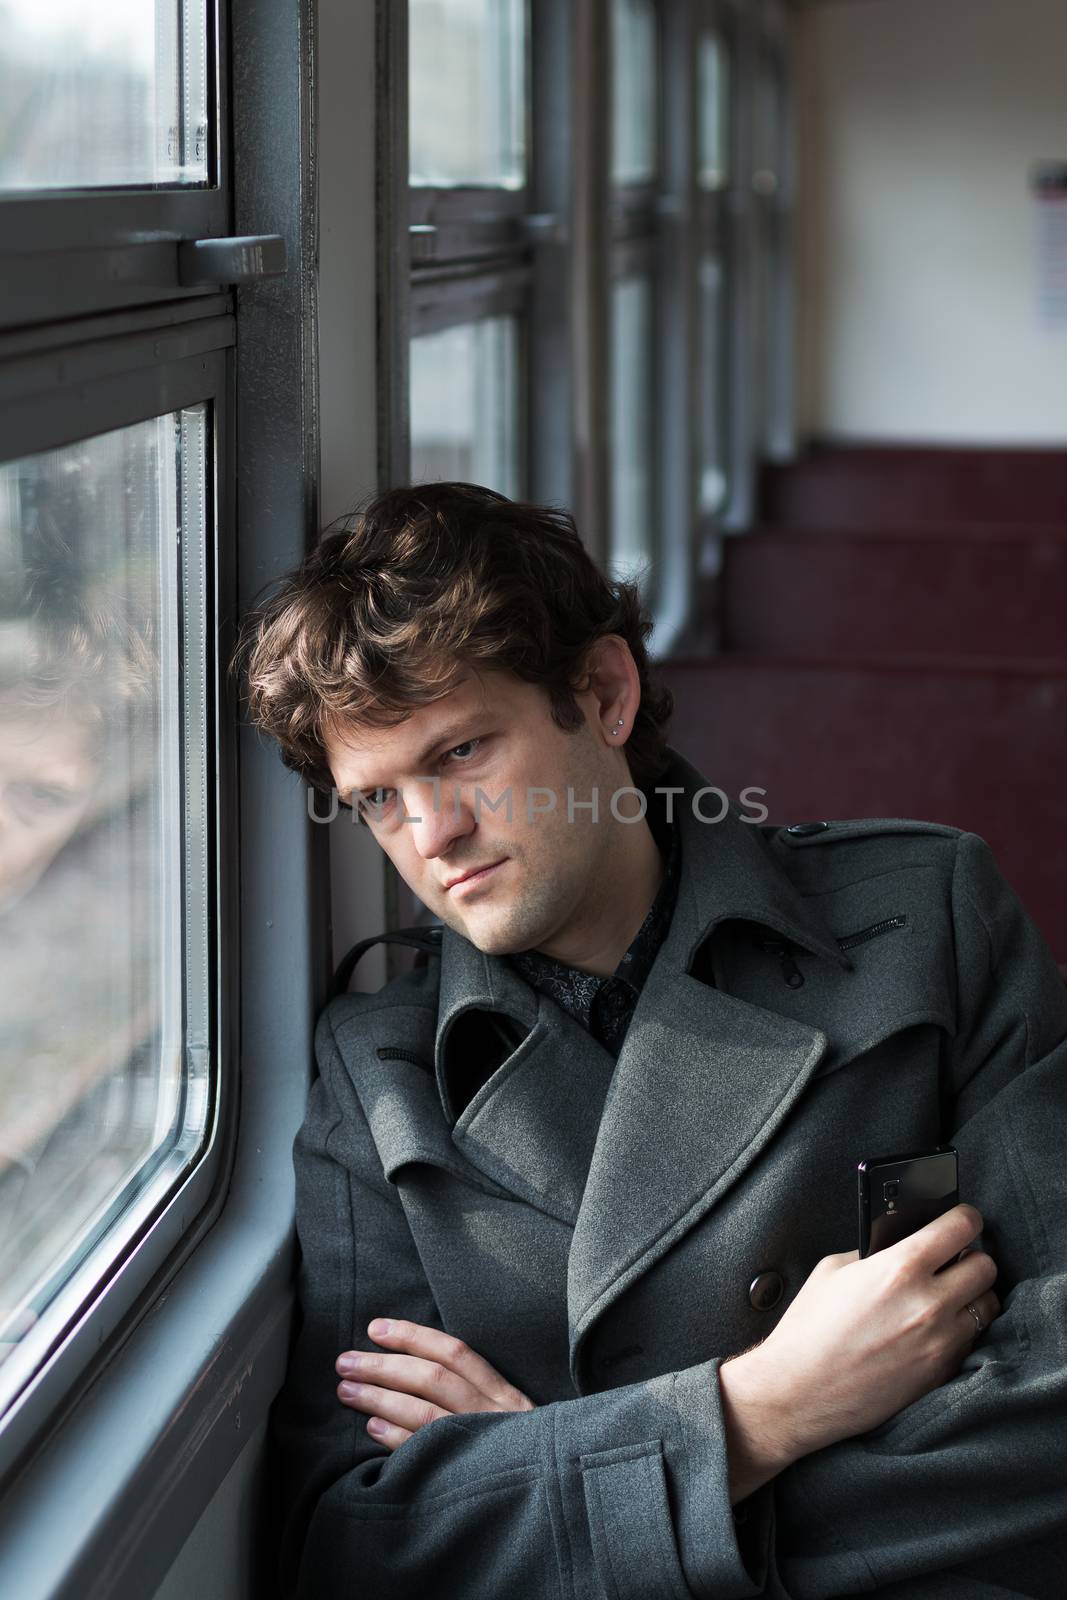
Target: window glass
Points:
(634, 91)
(465, 405)
(713, 379)
(108, 93)
(713, 159)
(632, 430)
(103, 838)
(467, 92)
(769, 128)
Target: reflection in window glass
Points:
(106, 94)
(465, 405)
(713, 162)
(769, 124)
(467, 92)
(96, 1090)
(632, 428)
(713, 379)
(634, 91)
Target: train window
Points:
(465, 404)
(714, 168)
(772, 202)
(634, 79)
(117, 486)
(103, 96)
(632, 428)
(467, 92)
(635, 169)
(713, 117)
(713, 436)
(103, 892)
(467, 299)
(769, 129)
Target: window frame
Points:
(48, 400)
(715, 215)
(75, 252)
(468, 250)
(635, 217)
(111, 1482)
(456, 297)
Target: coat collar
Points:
(727, 873)
(631, 1154)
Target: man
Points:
(580, 1190)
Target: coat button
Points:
(802, 829)
(765, 1291)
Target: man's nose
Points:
(437, 819)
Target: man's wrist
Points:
(758, 1445)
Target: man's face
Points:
(541, 879)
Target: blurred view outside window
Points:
(101, 552)
(632, 431)
(465, 405)
(467, 92)
(103, 93)
(713, 146)
(634, 111)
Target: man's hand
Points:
(426, 1374)
(861, 1340)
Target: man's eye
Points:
(470, 745)
(375, 802)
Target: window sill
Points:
(105, 1506)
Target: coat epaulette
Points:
(427, 940)
(802, 833)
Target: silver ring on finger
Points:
(979, 1325)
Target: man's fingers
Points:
(407, 1411)
(966, 1277)
(936, 1243)
(988, 1308)
(412, 1375)
(443, 1349)
(387, 1433)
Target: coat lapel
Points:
(532, 1126)
(703, 1082)
(704, 1079)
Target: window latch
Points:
(231, 261)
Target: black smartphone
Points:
(900, 1194)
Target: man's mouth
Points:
(470, 879)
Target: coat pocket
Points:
(630, 1523)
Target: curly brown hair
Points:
(428, 581)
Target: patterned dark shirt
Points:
(605, 1005)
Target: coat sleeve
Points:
(965, 1490)
(621, 1493)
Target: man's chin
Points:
(491, 933)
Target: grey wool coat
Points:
(594, 1230)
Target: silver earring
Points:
(615, 729)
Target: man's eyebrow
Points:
(443, 741)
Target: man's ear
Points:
(614, 681)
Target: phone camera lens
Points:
(891, 1190)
